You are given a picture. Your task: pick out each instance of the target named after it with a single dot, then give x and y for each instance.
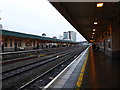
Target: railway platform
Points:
(89, 70)
(101, 71)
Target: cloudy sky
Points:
(34, 17)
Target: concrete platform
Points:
(99, 71)
(67, 79)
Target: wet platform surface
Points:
(68, 77)
(101, 71)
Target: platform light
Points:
(99, 4)
(95, 23)
(93, 33)
(92, 40)
(94, 29)
(92, 36)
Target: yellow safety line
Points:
(31, 55)
(42, 55)
(79, 82)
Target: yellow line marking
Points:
(31, 55)
(42, 55)
(79, 82)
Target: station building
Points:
(15, 41)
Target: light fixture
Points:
(95, 23)
(94, 30)
(93, 33)
(99, 4)
(92, 36)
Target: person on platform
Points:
(94, 47)
(97, 48)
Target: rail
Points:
(18, 54)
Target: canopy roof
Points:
(23, 35)
(82, 15)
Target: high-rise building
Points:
(65, 35)
(70, 35)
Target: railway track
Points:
(42, 80)
(31, 84)
(18, 71)
(41, 54)
(38, 59)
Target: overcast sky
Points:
(34, 17)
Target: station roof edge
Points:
(25, 35)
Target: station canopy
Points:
(82, 16)
(23, 35)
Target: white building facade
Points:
(70, 35)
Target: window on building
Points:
(20, 43)
(6, 42)
(10, 42)
(27, 43)
(30, 43)
(34, 43)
